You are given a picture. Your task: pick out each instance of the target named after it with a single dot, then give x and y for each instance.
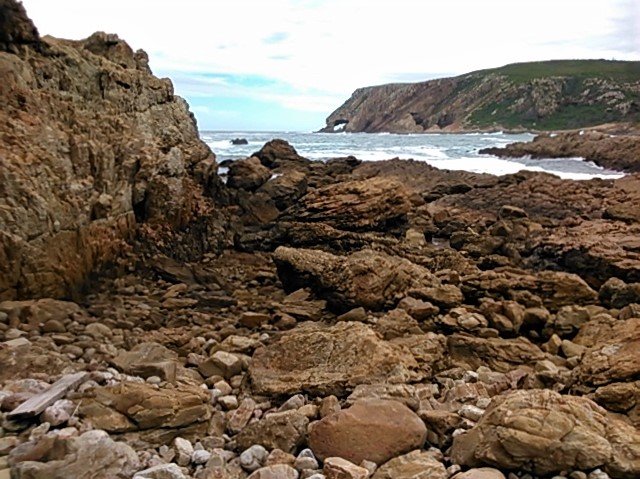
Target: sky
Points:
(285, 65)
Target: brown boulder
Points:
(374, 204)
(543, 432)
(138, 406)
(329, 360)
(613, 355)
(282, 430)
(277, 153)
(501, 355)
(372, 429)
(551, 289)
(247, 174)
(366, 278)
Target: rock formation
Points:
(553, 95)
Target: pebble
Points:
(294, 402)
(306, 460)
(277, 471)
(184, 450)
(162, 471)
(253, 458)
(59, 412)
(598, 474)
(228, 402)
(200, 456)
(471, 412)
(338, 468)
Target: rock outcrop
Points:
(92, 145)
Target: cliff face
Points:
(91, 145)
(535, 96)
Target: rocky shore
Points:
(306, 319)
(616, 147)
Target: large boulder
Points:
(372, 429)
(552, 289)
(366, 278)
(373, 204)
(92, 145)
(543, 432)
(276, 153)
(498, 354)
(247, 174)
(329, 360)
(613, 352)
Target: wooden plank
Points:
(38, 403)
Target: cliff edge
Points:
(553, 95)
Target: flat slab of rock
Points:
(543, 432)
(372, 429)
(328, 360)
(366, 278)
(38, 403)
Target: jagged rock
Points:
(90, 148)
(327, 360)
(134, 406)
(372, 429)
(148, 359)
(366, 278)
(615, 293)
(543, 432)
(613, 355)
(338, 468)
(247, 174)
(282, 430)
(550, 289)
(277, 153)
(286, 189)
(374, 204)
(623, 398)
(69, 458)
(415, 465)
(502, 355)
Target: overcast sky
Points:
(287, 64)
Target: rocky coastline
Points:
(339, 319)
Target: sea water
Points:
(445, 151)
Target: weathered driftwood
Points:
(38, 403)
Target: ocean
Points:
(446, 151)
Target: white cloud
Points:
(325, 49)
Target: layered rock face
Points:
(541, 96)
(92, 145)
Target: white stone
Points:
(253, 458)
(200, 456)
(163, 471)
(184, 450)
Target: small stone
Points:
(338, 468)
(473, 413)
(239, 418)
(277, 471)
(329, 405)
(228, 402)
(184, 450)
(598, 474)
(480, 473)
(294, 402)
(221, 363)
(577, 475)
(53, 326)
(278, 456)
(154, 380)
(356, 314)
(306, 460)
(200, 457)
(254, 320)
(59, 412)
(162, 471)
(253, 458)
(7, 443)
(369, 466)
(223, 387)
(309, 410)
